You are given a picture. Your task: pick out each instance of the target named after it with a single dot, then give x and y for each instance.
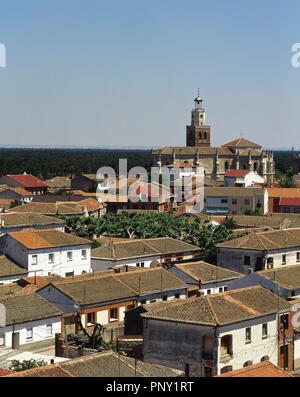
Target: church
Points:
(216, 161)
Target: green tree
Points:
(17, 365)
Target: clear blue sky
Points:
(125, 72)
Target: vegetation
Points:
(17, 365)
(47, 163)
(15, 203)
(149, 225)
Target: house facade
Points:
(242, 178)
(253, 325)
(260, 251)
(28, 319)
(142, 253)
(46, 252)
(26, 181)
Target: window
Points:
(34, 259)
(224, 201)
(265, 330)
(264, 358)
(247, 260)
(225, 289)
(177, 296)
(248, 335)
(234, 201)
(29, 334)
(247, 202)
(91, 318)
(143, 301)
(247, 363)
(165, 298)
(283, 259)
(208, 292)
(49, 330)
(69, 256)
(69, 274)
(284, 321)
(228, 368)
(2, 339)
(138, 264)
(51, 258)
(298, 257)
(142, 264)
(114, 314)
(221, 289)
(83, 254)
(226, 345)
(270, 262)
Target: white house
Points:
(46, 252)
(142, 253)
(214, 334)
(243, 178)
(260, 251)
(10, 271)
(26, 319)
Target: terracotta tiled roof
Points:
(274, 239)
(292, 201)
(36, 239)
(137, 248)
(283, 192)
(287, 276)
(28, 181)
(223, 308)
(205, 272)
(31, 307)
(59, 182)
(237, 173)
(27, 219)
(233, 191)
(241, 142)
(264, 369)
(91, 204)
(10, 268)
(106, 364)
(63, 208)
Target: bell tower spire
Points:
(198, 133)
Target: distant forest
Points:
(47, 163)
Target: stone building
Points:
(216, 161)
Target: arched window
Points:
(247, 363)
(205, 135)
(200, 136)
(228, 368)
(264, 358)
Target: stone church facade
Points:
(237, 154)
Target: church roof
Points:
(241, 142)
(193, 150)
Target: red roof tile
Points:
(28, 181)
(294, 201)
(236, 173)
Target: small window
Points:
(177, 296)
(283, 259)
(265, 330)
(69, 256)
(225, 289)
(165, 298)
(284, 321)
(208, 292)
(51, 258)
(247, 363)
(234, 201)
(221, 289)
(247, 202)
(247, 260)
(298, 257)
(83, 254)
(91, 318)
(69, 274)
(143, 301)
(224, 201)
(142, 264)
(248, 335)
(49, 330)
(264, 358)
(34, 259)
(114, 314)
(138, 264)
(29, 334)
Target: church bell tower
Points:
(198, 133)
